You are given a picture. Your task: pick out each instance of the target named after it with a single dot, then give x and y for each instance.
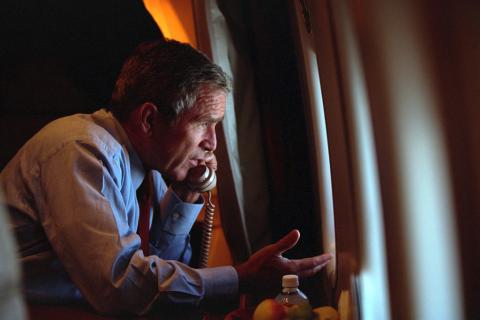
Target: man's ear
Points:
(147, 113)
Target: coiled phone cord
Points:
(203, 179)
(206, 232)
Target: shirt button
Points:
(176, 216)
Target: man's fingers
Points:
(320, 267)
(311, 272)
(310, 266)
(211, 161)
(287, 242)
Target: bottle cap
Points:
(290, 281)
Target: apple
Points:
(269, 309)
(301, 311)
(326, 313)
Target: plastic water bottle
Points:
(290, 294)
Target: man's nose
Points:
(210, 142)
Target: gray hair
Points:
(167, 73)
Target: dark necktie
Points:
(145, 202)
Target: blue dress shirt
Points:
(71, 191)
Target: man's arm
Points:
(178, 207)
(171, 225)
(90, 225)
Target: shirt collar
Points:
(108, 121)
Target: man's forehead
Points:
(211, 96)
(210, 102)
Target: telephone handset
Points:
(203, 179)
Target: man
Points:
(72, 190)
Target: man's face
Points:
(178, 148)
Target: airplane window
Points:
(319, 141)
(350, 205)
(371, 283)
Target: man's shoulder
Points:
(80, 130)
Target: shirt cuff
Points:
(178, 217)
(219, 282)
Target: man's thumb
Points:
(287, 242)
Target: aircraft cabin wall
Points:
(393, 109)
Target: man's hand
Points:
(266, 267)
(181, 187)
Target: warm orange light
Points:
(175, 19)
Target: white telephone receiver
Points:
(203, 179)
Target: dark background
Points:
(60, 58)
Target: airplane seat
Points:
(12, 305)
